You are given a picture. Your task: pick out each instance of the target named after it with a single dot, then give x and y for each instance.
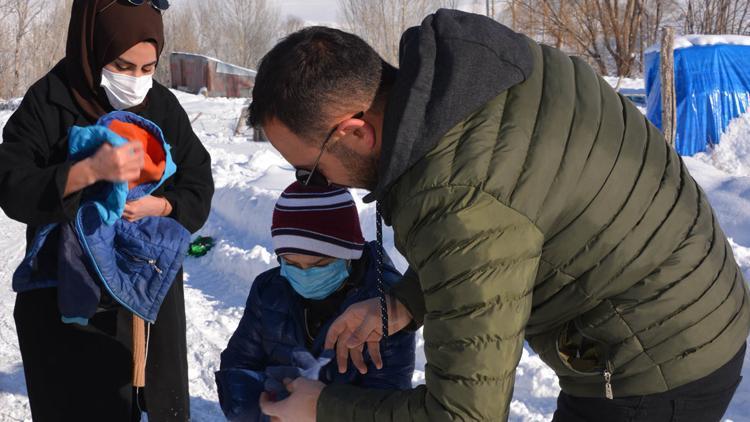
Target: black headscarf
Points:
(99, 32)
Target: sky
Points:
(325, 11)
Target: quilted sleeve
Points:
(476, 260)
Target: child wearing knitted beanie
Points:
(325, 266)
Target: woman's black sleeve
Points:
(31, 191)
(190, 194)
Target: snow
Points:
(632, 88)
(626, 84)
(697, 40)
(249, 176)
(732, 153)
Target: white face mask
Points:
(125, 91)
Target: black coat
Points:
(33, 174)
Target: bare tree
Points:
(511, 13)
(180, 34)
(32, 40)
(47, 38)
(449, 4)
(292, 24)
(621, 21)
(240, 31)
(716, 16)
(611, 34)
(33, 35)
(656, 15)
(381, 23)
(6, 50)
(255, 27)
(24, 13)
(491, 10)
(563, 23)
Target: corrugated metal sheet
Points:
(231, 69)
(194, 72)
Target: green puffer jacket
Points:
(553, 212)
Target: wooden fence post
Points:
(668, 102)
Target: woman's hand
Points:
(148, 206)
(121, 164)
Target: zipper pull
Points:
(152, 262)
(608, 384)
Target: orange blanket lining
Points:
(154, 158)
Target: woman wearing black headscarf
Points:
(78, 372)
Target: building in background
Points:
(712, 87)
(198, 74)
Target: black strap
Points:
(380, 264)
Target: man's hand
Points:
(148, 206)
(361, 324)
(300, 406)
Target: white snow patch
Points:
(732, 153)
(630, 84)
(698, 40)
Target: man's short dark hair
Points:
(314, 74)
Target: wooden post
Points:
(259, 135)
(139, 352)
(668, 102)
(242, 121)
(197, 116)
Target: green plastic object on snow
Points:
(200, 246)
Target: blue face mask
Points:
(317, 282)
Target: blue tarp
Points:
(712, 86)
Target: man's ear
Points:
(358, 134)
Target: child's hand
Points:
(148, 206)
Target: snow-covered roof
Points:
(696, 40)
(222, 66)
(629, 84)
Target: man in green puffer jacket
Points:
(530, 201)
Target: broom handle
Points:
(139, 352)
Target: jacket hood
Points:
(449, 66)
(110, 198)
(157, 151)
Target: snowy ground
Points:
(248, 177)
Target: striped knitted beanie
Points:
(320, 221)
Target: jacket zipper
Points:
(608, 367)
(608, 383)
(307, 329)
(87, 249)
(149, 261)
